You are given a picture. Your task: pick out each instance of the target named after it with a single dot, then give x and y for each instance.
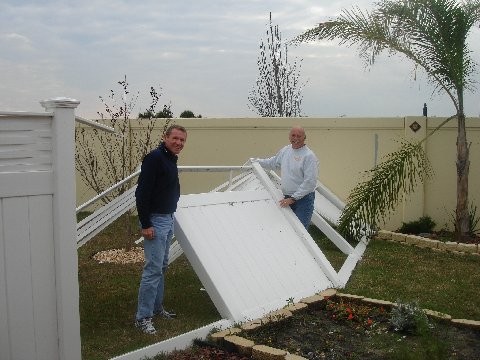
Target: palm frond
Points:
(352, 27)
(431, 33)
(435, 32)
(373, 199)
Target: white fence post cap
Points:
(60, 102)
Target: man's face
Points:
(175, 141)
(297, 138)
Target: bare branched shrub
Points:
(277, 91)
(103, 159)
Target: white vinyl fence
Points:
(39, 314)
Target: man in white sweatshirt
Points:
(299, 170)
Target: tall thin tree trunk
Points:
(462, 221)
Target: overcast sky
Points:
(201, 53)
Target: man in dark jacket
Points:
(157, 195)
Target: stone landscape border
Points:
(230, 339)
(415, 240)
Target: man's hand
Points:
(286, 202)
(148, 233)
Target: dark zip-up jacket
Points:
(158, 187)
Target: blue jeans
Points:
(150, 293)
(303, 208)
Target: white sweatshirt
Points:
(299, 170)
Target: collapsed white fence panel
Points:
(39, 317)
(251, 255)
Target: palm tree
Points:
(432, 34)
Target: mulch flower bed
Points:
(348, 329)
(338, 329)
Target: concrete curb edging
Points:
(415, 240)
(230, 340)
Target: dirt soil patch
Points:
(351, 330)
(356, 331)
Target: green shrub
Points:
(423, 225)
(409, 318)
(473, 220)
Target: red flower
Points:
(350, 316)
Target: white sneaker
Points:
(146, 326)
(166, 314)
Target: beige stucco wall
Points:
(346, 147)
(440, 192)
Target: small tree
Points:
(166, 113)
(145, 115)
(277, 91)
(187, 114)
(103, 159)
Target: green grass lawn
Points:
(439, 281)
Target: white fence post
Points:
(64, 218)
